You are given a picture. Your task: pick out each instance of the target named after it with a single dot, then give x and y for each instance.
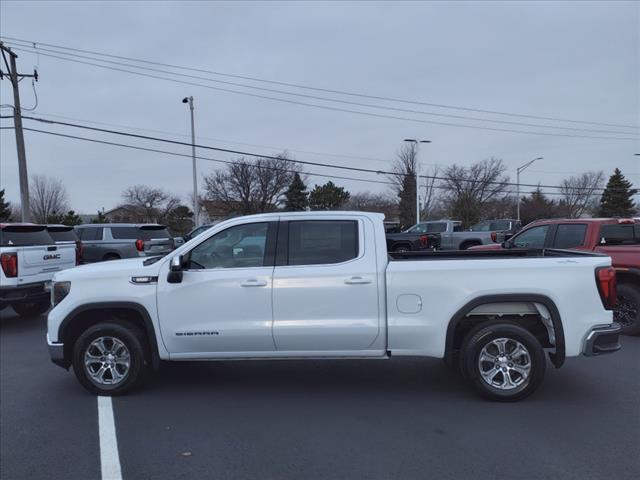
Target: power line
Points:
(166, 152)
(346, 102)
(302, 162)
(326, 90)
(336, 109)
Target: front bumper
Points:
(32, 292)
(601, 340)
(56, 352)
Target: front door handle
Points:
(357, 281)
(254, 282)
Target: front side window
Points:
(570, 235)
(531, 238)
(316, 242)
(90, 233)
(242, 246)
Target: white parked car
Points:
(321, 285)
(28, 259)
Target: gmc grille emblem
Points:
(52, 256)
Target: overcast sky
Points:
(570, 60)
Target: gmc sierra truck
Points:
(28, 259)
(322, 285)
(452, 236)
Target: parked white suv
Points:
(321, 285)
(28, 258)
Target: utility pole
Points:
(417, 145)
(518, 170)
(196, 206)
(14, 77)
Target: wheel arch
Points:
(469, 242)
(453, 329)
(80, 319)
(629, 276)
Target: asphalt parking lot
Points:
(396, 419)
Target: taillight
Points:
(606, 280)
(140, 245)
(9, 262)
(494, 237)
(424, 240)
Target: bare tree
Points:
(47, 198)
(580, 194)
(372, 202)
(429, 190)
(245, 187)
(403, 180)
(149, 204)
(470, 189)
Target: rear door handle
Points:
(357, 281)
(254, 282)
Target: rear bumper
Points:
(32, 292)
(56, 352)
(601, 340)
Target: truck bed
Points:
(489, 254)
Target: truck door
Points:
(223, 303)
(325, 286)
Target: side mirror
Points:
(506, 244)
(175, 270)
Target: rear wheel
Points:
(29, 309)
(502, 361)
(401, 248)
(627, 311)
(111, 256)
(109, 358)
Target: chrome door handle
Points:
(357, 281)
(254, 282)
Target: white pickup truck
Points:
(322, 285)
(29, 257)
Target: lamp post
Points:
(417, 144)
(518, 170)
(196, 215)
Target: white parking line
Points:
(109, 458)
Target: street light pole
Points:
(196, 208)
(417, 173)
(518, 170)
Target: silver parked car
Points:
(112, 241)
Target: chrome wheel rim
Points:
(107, 361)
(504, 363)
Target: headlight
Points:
(59, 291)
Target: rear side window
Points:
(139, 233)
(24, 235)
(624, 234)
(316, 242)
(121, 233)
(146, 233)
(90, 233)
(570, 235)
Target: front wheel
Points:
(109, 358)
(503, 361)
(29, 309)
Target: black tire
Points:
(627, 311)
(134, 342)
(506, 368)
(111, 256)
(401, 249)
(29, 309)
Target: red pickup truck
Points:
(618, 238)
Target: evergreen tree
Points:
(536, 207)
(71, 219)
(5, 208)
(617, 198)
(327, 197)
(407, 204)
(296, 197)
(101, 218)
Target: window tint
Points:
(531, 238)
(317, 242)
(146, 233)
(570, 235)
(90, 233)
(25, 235)
(120, 233)
(241, 246)
(62, 235)
(620, 234)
